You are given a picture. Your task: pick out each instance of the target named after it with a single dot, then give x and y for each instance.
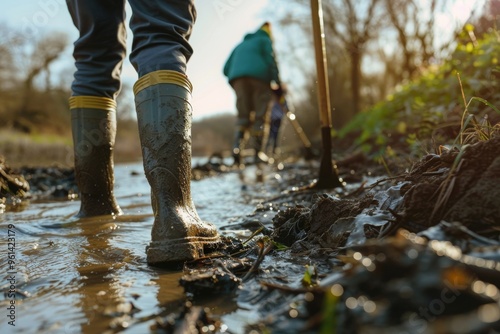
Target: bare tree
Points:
(414, 24)
(349, 27)
(372, 46)
(10, 45)
(26, 61)
(45, 52)
(355, 24)
(399, 14)
(489, 19)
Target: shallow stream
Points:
(91, 275)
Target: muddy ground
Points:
(414, 252)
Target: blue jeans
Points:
(161, 30)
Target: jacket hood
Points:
(258, 33)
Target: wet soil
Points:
(416, 252)
(408, 254)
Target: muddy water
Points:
(90, 275)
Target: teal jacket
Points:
(253, 57)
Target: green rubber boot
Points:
(93, 122)
(164, 119)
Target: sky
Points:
(220, 25)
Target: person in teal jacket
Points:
(250, 70)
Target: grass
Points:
(43, 150)
(471, 131)
(21, 149)
(479, 130)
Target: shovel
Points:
(328, 177)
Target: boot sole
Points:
(163, 253)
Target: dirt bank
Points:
(415, 253)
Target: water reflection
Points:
(83, 276)
(117, 289)
(98, 264)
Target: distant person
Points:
(160, 52)
(278, 111)
(250, 69)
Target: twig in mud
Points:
(386, 167)
(222, 266)
(216, 255)
(262, 252)
(486, 241)
(357, 191)
(446, 188)
(284, 288)
(253, 235)
(238, 253)
(376, 183)
(389, 230)
(436, 172)
(207, 257)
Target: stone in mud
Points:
(327, 222)
(209, 281)
(51, 182)
(192, 319)
(290, 225)
(12, 184)
(338, 233)
(328, 210)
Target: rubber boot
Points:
(164, 119)
(259, 155)
(93, 122)
(237, 147)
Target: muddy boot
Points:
(93, 122)
(164, 119)
(237, 147)
(259, 156)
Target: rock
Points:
(12, 184)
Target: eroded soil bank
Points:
(413, 253)
(417, 252)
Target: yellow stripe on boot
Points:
(165, 77)
(92, 102)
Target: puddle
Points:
(91, 276)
